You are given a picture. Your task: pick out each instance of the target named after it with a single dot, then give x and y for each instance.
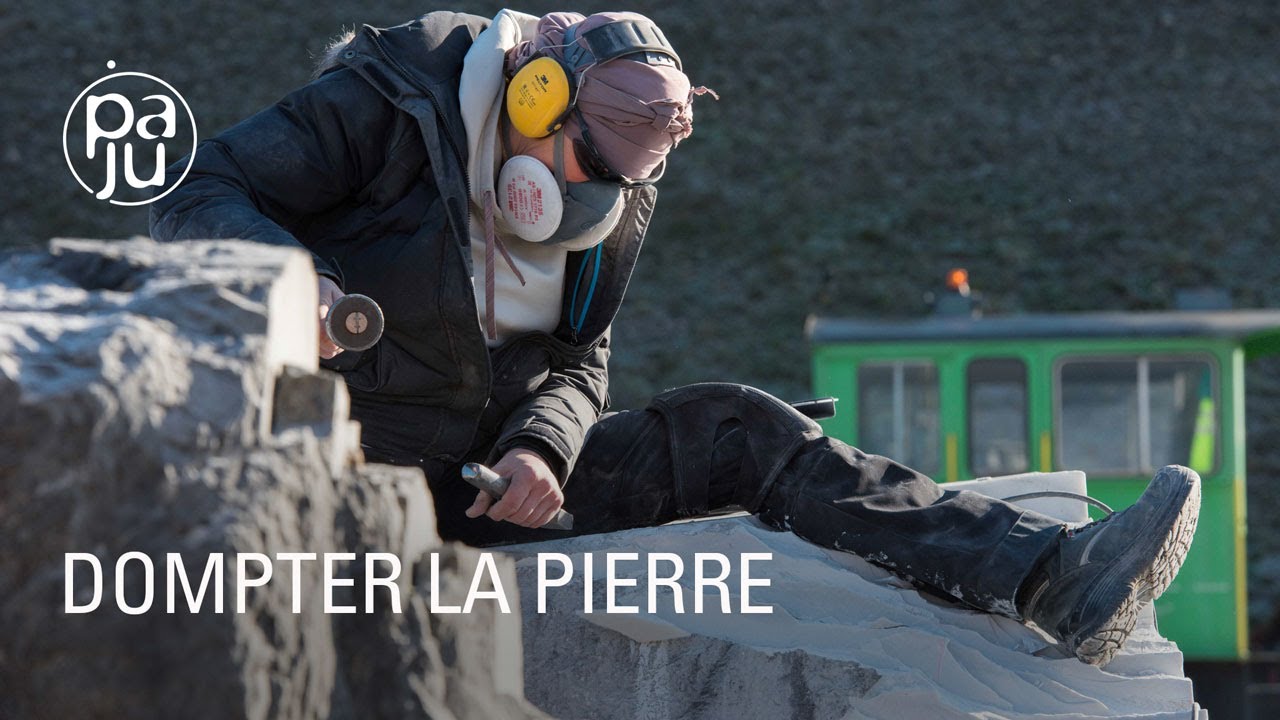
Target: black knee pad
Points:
(734, 424)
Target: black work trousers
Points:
(718, 446)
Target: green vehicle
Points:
(1115, 394)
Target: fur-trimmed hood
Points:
(328, 59)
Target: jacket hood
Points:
(429, 50)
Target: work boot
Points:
(1089, 588)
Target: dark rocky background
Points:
(1074, 156)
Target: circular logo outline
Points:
(191, 156)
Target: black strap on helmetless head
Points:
(619, 39)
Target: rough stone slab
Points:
(166, 399)
(846, 640)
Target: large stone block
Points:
(846, 639)
(165, 398)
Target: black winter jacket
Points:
(366, 168)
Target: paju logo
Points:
(108, 133)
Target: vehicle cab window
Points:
(898, 412)
(1131, 415)
(997, 394)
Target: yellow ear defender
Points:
(544, 90)
(539, 97)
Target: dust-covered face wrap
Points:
(539, 206)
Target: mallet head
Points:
(355, 322)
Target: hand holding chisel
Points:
(486, 480)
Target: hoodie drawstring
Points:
(492, 241)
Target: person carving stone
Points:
(496, 215)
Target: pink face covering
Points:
(635, 112)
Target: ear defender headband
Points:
(545, 90)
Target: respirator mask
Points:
(540, 206)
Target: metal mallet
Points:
(486, 480)
(355, 322)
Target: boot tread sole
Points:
(1098, 644)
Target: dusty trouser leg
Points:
(622, 478)
(735, 445)
(971, 547)
(715, 446)
(728, 441)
